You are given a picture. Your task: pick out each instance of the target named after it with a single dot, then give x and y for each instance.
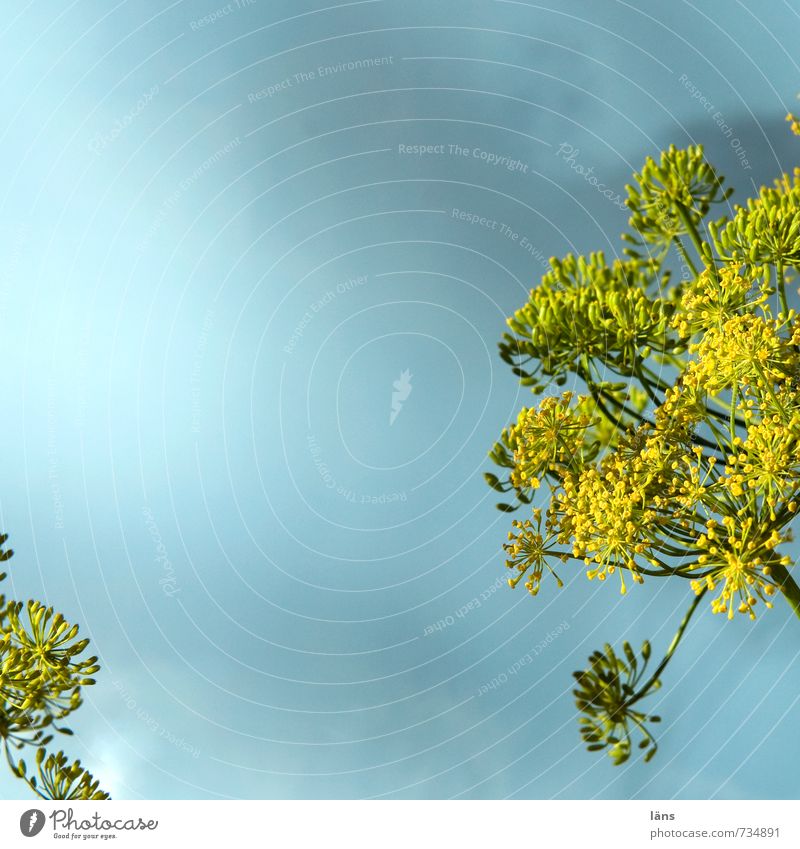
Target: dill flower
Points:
(673, 195)
(42, 673)
(527, 551)
(617, 512)
(767, 229)
(546, 438)
(767, 461)
(746, 349)
(683, 408)
(737, 557)
(712, 298)
(606, 693)
(698, 480)
(688, 464)
(585, 308)
(59, 779)
(609, 527)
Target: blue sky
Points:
(221, 250)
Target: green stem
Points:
(694, 235)
(597, 394)
(671, 650)
(787, 585)
(657, 381)
(768, 384)
(664, 387)
(646, 385)
(685, 255)
(782, 289)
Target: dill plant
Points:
(42, 673)
(680, 457)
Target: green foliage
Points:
(606, 694)
(42, 672)
(765, 231)
(585, 310)
(672, 197)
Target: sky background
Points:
(216, 259)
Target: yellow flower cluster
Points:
(609, 527)
(683, 458)
(767, 462)
(684, 406)
(744, 350)
(616, 512)
(545, 438)
(712, 298)
(738, 557)
(784, 186)
(527, 551)
(697, 484)
(688, 464)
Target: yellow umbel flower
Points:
(603, 514)
(683, 459)
(684, 406)
(745, 349)
(714, 297)
(615, 513)
(698, 480)
(738, 557)
(767, 461)
(528, 550)
(546, 437)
